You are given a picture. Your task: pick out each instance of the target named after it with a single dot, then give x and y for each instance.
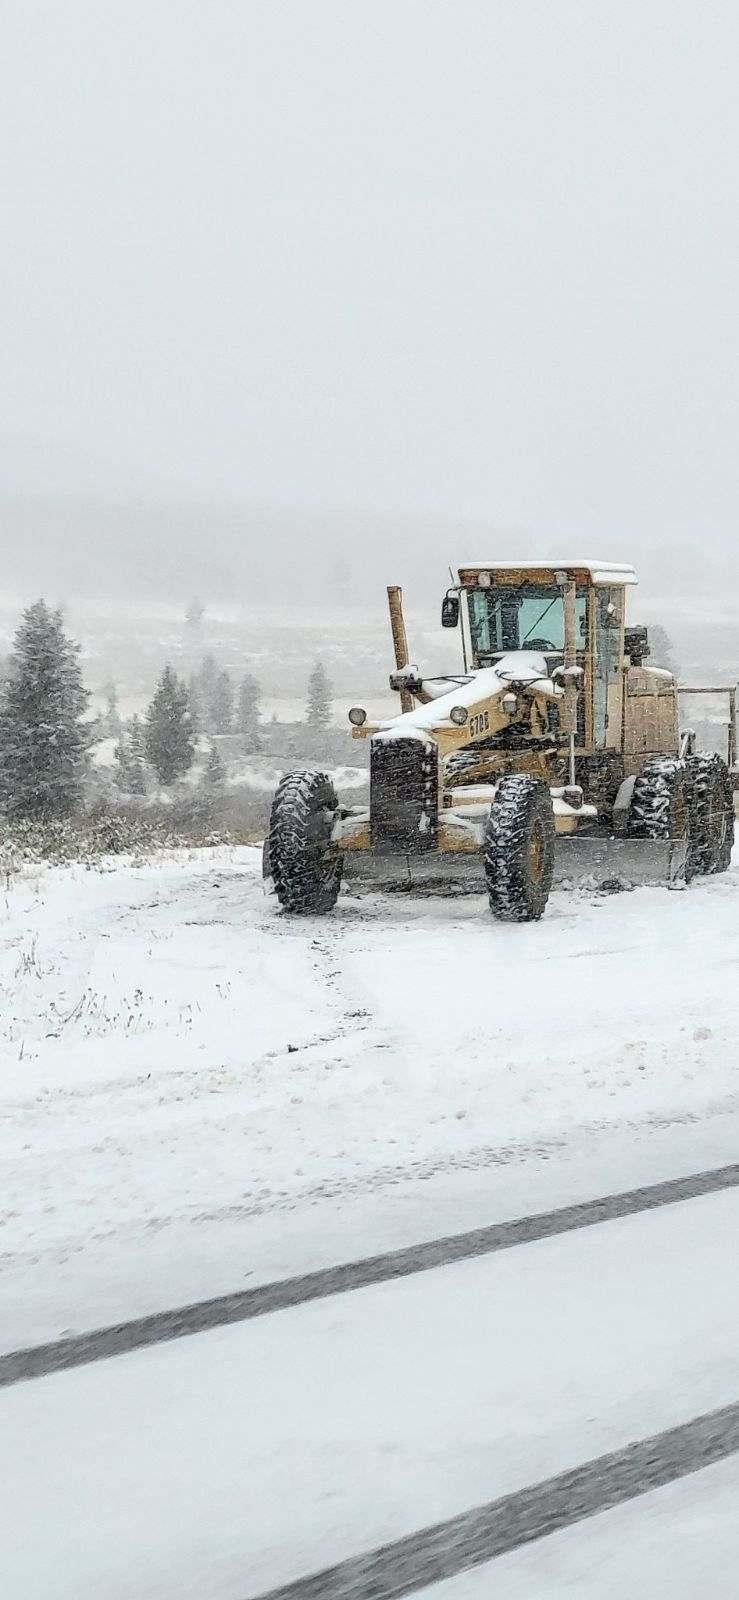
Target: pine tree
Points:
(122, 756)
(136, 758)
(214, 772)
(221, 703)
(247, 705)
(215, 696)
(661, 651)
(42, 739)
(196, 704)
(319, 697)
(130, 773)
(169, 738)
(110, 696)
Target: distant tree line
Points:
(46, 735)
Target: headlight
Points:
(484, 580)
(458, 715)
(357, 716)
(510, 704)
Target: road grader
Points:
(557, 747)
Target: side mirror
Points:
(450, 611)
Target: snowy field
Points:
(199, 1093)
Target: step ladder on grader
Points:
(555, 752)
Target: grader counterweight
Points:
(555, 746)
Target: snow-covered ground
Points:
(238, 1459)
(200, 1093)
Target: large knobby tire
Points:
(661, 800)
(306, 873)
(712, 827)
(518, 849)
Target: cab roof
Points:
(606, 574)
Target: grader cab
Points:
(556, 747)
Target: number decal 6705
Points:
(479, 723)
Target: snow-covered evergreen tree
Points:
(196, 705)
(247, 706)
(214, 772)
(136, 758)
(121, 756)
(319, 697)
(661, 651)
(130, 769)
(42, 738)
(221, 703)
(214, 693)
(169, 738)
(110, 696)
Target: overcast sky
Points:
(449, 256)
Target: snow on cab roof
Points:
(601, 572)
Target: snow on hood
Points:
(524, 667)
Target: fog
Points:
(402, 283)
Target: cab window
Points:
(528, 617)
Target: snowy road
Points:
(180, 1322)
(246, 1457)
(201, 1097)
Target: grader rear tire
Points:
(661, 804)
(306, 875)
(518, 849)
(713, 814)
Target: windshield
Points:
(528, 617)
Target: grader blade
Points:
(432, 873)
(579, 863)
(620, 863)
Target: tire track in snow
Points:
(79, 1350)
(478, 1536)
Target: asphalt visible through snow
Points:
(98, 1345)
(478, 1536)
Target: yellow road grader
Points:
(557, 747)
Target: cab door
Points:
(608, 668)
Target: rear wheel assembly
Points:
(661, 803)
(712, 822)
(518, 849)
(305, 870)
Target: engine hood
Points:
(526, 669)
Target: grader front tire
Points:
(519, 848)
(306, 874)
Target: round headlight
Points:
(357, 716)
(458, 715)
(510, 704)
(484, 580)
